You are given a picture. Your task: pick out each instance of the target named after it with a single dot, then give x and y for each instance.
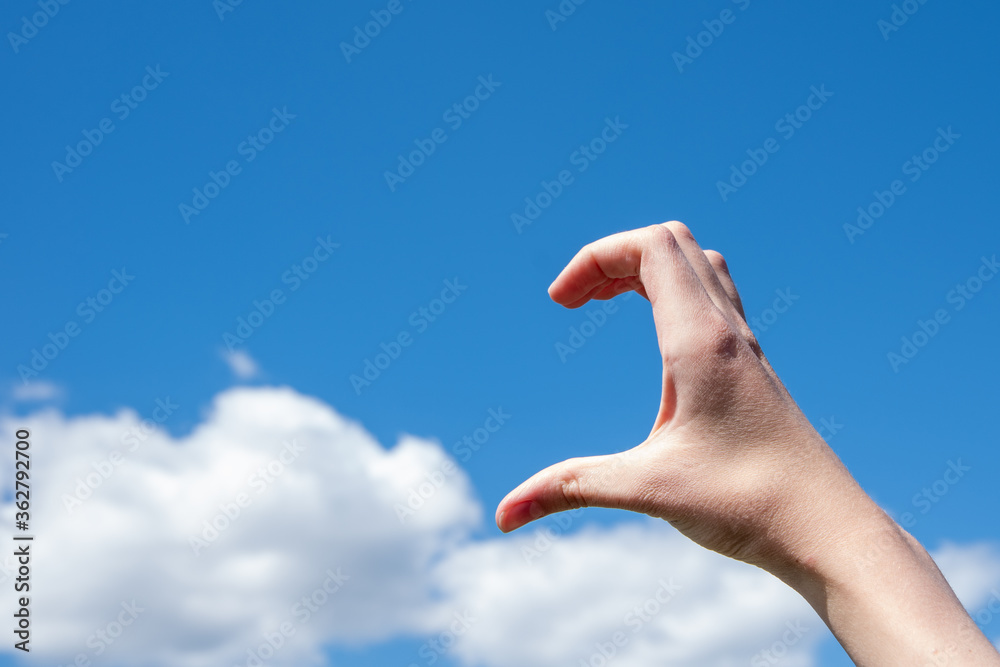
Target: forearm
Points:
(883, 596)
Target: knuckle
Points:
(724, 341)
(717, 261)
(679, 229)
(568, 483)
(588, 250)
(662, 235)
(751, 339)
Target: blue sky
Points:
(888, 96)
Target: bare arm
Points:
(734, 464)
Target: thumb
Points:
(614, 481)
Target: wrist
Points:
(818, 516)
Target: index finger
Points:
(649, 259)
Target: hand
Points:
(733, 463)
(730, 455)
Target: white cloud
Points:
(36, 390)
(241, 364)
(564, 597)
(538, 598)
(332, 506)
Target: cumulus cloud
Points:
(638, 592)
(278, 519)
(149, 529)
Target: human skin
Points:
(733, 463)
